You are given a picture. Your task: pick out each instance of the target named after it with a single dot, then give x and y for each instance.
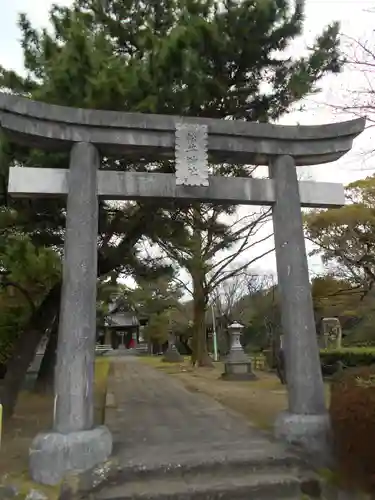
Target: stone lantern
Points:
(237, 363)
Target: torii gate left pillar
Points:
(75, 444)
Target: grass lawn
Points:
(259, 400)
(34, 414)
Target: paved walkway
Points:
(155, 421)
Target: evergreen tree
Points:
(156, 300)
(345, 237)
(205, 58)
(27, 272)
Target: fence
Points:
(259, 362)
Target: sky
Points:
(356, 23)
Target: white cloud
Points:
(37, 11)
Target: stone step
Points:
(217, 464)
(142, 348)
(256, 475)
(253, 485)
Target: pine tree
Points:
(27, 274)
(155, 301)
(205, 58)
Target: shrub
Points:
(352, 411)
(362, 343)
(332, 360)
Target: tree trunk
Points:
(44, 382)
(26, 347)
(222, 340)
(199, 355)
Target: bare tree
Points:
(227, 295)
(360, 60)
(257, 282)
(356, 95)
(208, 248)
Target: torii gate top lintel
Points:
(145, 136)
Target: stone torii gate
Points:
(74, 443)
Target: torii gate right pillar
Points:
(306, 421)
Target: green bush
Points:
(351, 357)
(361, 343)
(352, 412)
(333, 360)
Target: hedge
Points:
(332, 360)
(352, 412)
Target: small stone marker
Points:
(172, 355)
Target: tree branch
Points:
(183, 284)
(215, 282)
(225, 261)
(24, 292)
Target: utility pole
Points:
(216, 357)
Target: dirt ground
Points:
(33, 415)
(259, 400)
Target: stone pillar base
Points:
(53, 455)
(238, 371)
(312, 433)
